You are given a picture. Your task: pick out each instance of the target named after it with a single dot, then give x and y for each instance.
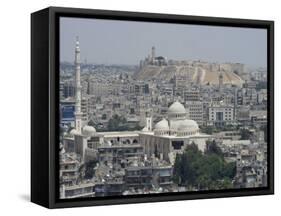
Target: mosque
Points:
(163, 140)
(170, 136)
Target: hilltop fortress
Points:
(196, 72)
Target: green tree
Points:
(261, 85)
(117, 123)
(177, 169)
(245, 134)
(89, 169)
(264, 129)
(203, 171)
(91, 123)
(229, 170)
(223, 184)
(208, 130)
(213, 148)
(103, 117)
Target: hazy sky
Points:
(127, 42)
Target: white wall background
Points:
(15, 106)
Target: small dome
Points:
(145, 129)
(88, 130)
(73, 132)
(162, 125)
(176, 108)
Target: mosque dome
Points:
(162, 125)
(185, 127)
(88, 130)
(176, 108)
(145, 129)
(177, 123)
(73, 132)
(176, 111)
(188, 124)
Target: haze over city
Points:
(126, 42)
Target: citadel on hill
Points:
(193, 72)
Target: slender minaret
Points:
(78, 113)
(148, 122)
(220, 81)
(153, 52)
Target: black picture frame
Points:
(45, 100)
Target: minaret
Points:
(148, 122)
(220, 81)
(78, 113)
(153, 53)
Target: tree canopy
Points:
(203, 171)
(117, 123)
(213, 148)
(245, 134)
(120, 123)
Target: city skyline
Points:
(172, 126)
(132, 41)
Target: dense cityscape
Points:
(164, 125)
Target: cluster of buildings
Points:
(251, 162)
(159, 118)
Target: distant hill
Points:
(196, 74)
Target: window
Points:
(177, 144)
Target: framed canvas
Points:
(138, 107)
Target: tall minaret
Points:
(78, 113)
(148, 122)
(220, 81)
(153, 52)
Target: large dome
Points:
(188, 124)
(162, 125)
(89, 130)
(176, 108)
(184, 127)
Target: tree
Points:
(177, 169)
(117, 123)
(203, 171)
(103, 117)
(245, 134)
(264, 129)
(156, 151)
(213, 148)
(208, 129)
(70, 129)
(120, 123)
(184, 173)
(91, 123)
(225, 183)
(137, 127)
(261, 85)
(89, 169)
(229, 170)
